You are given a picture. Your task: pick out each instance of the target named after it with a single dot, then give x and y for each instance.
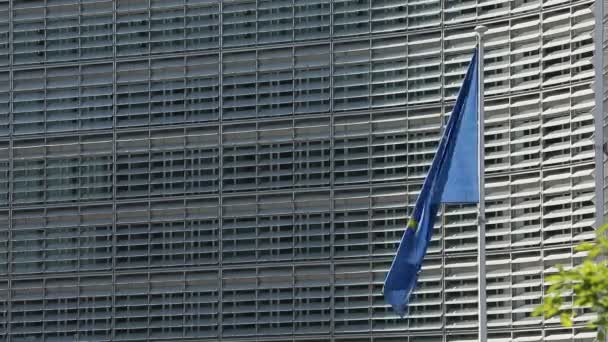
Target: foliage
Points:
(589, 283)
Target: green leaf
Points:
(585, 246)
(565, 319)
(585, 286)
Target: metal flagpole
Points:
(481, 209)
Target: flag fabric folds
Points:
(452, 178)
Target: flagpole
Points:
(481, 215)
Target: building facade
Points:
(203, 170)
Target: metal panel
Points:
(243, 170)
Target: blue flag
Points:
(452, 178)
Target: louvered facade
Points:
(202, 170)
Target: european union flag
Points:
(452, 178)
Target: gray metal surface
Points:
(237, 170)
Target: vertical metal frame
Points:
(598, 62)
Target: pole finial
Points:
(481, 29)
